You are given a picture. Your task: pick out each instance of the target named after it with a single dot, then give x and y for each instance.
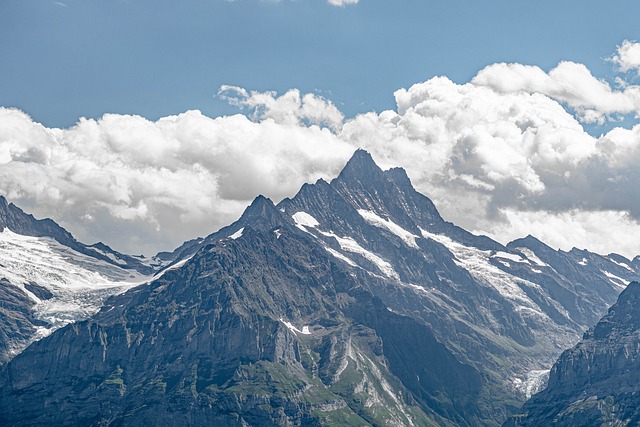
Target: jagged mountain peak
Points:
(529, 241)
(623, 315)
(399, 177)
(364, 185)
(291, 283)
(261, 205)
(360, 167)
(261, 201)
(261, 214)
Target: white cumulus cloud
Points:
(291, 108)
(145, 186)
(628, 56)
(570, 83)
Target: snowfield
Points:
(477, 263)
(79, 283)
(373, 219)
(303, 221)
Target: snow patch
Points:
(237, 234)
(619, 282)
(304, 331)
(350, 245)
(532, 257)
(621, 264)
(303, 219)
(373, 219)
(512, 257)
(340, 256)
(583, 262)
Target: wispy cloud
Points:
(342, 2)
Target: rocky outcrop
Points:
(17, 324)
(597, 382)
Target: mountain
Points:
(353, 302)
(48, 279)
(266, 328)
(509, 311)
(597, 382)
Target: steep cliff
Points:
(597, 382)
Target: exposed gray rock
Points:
(596, 383)
(17, 325)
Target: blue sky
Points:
(62, 60)
(112, 123)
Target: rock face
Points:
(17, 323)
(352, 303)
(597, 382)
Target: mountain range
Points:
(352, 303)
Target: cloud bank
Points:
(505, 154)
(143, 186)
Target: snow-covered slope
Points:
(62, 284)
